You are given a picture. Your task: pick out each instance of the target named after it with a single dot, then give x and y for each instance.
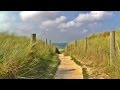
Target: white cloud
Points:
(6, 21)
(5, 17)
(92, 16)
(83, 20)
(38, 16)
(68, 24)
(100, 14)
(84, 31)
(28, 14)
(51, 20)
(53, 23)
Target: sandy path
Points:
(68, 69)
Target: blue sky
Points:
(59, 26)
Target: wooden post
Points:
(112, 47)
(75, 43)
(84, 72)
(33, 42)
(71, 47)
(46, 41)
(50, 42)
(86, 44)
(67, 48)
(33, 38)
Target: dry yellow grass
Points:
(18, 58)
(97, 55)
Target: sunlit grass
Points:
(97, 55)
(16, 58)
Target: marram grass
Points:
(97, 55)
(18, 58)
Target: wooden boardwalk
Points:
(68, 69)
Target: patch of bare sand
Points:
(68, 69)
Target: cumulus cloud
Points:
(28, 14)
(53, 24)
(50, 22)
(6, 20)
(92, 16)
(84, 31)
(38, 16)
(84, 19)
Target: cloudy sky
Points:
(59, 26)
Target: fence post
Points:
(75, 43)
(85, 72)
(112, 47)
(46, 42)
(67, 48)
(50, 42)
(33, 38)
(70, 49)
(86, 44)
(33, 42)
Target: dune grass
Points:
(97, 55)
(18, 58)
